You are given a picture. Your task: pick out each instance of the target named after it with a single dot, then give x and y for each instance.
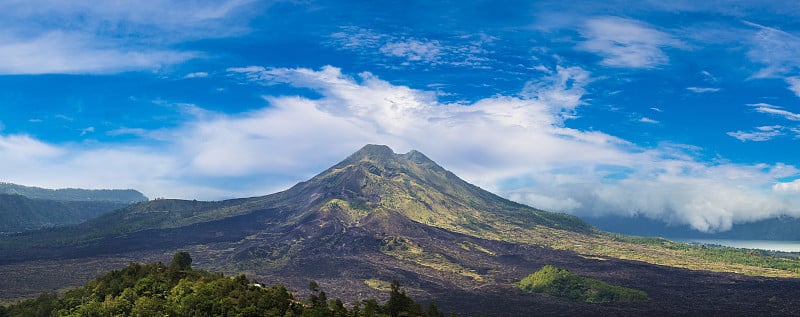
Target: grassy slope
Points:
(428, 194)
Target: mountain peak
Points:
(373, 152)
(382, 154)
(375, 178)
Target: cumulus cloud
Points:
(507, 140)
(648, 120)
(518, 146)
(626, 43)
(788, 187)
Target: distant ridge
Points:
(74, 194)
(24, 208)
(19, 213)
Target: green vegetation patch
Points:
(562, 283)
(179, 290)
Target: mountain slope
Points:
(379, 216)
(375, 178)
(74, 194)
(372, 179)
(24, 208)
(20, 213)
(371, 184)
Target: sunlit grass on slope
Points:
(406, 249)
(428, 194)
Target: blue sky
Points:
(678, 111)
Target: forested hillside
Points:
(74, 194)
(19, 213)
(24, 208)
(178, 290)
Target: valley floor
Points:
(672, 291)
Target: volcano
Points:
(376, 217)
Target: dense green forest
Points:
(19, 213)
(73, 194)
(563, 283)
(179, 290)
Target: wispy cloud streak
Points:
(626, 43)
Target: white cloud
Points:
(414, 50)
(70, 53)
(561, 91)
(87, 131)
(647, 120)
(545, 202)
(196, 75)
(794, 85)
(105, 36)
(764, 133)
(701, 90)
(775, 110)
(355, 38)
(788, 187)
(496, 143)
(467, 50)
(129, 131)
(499, 139)
(708, 76)
(656, 109)
(24, 147)
(626, 43)
(775, 49)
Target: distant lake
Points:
(783, 246)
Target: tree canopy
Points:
(560, 282)
(178, 290)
